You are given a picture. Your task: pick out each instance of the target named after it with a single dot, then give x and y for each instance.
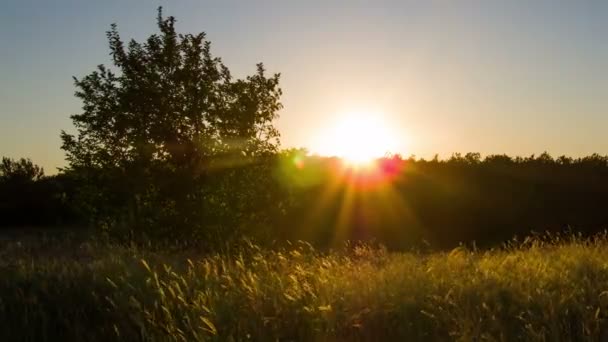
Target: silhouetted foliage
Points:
(162, 142)
(29, 198)
(444, 202)
(400, 203)
(19, 171)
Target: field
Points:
(544, 288)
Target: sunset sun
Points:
(358, 138)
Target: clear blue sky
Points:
(516, 77)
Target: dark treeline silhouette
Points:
(170, 147)
(28, 198)
(400, 203)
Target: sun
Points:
(358, 138)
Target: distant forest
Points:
(400, 203)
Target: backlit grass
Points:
(543, 289)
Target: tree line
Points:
(465, 198)
(28, 198)
(400, 202)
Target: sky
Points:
(515, 77)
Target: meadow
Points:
(549, 287)
(171, 217)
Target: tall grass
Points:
(542, 289)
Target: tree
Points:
(22, 170)
(153, 133)
(19, 195)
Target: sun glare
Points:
(358, 138)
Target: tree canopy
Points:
(153, 128)
(22, 170)
(170, 101)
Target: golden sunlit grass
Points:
(358, 138)
(537, 291)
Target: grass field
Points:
(545, 289)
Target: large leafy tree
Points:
(155, 129)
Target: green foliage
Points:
(544, 288)
(159, 140)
